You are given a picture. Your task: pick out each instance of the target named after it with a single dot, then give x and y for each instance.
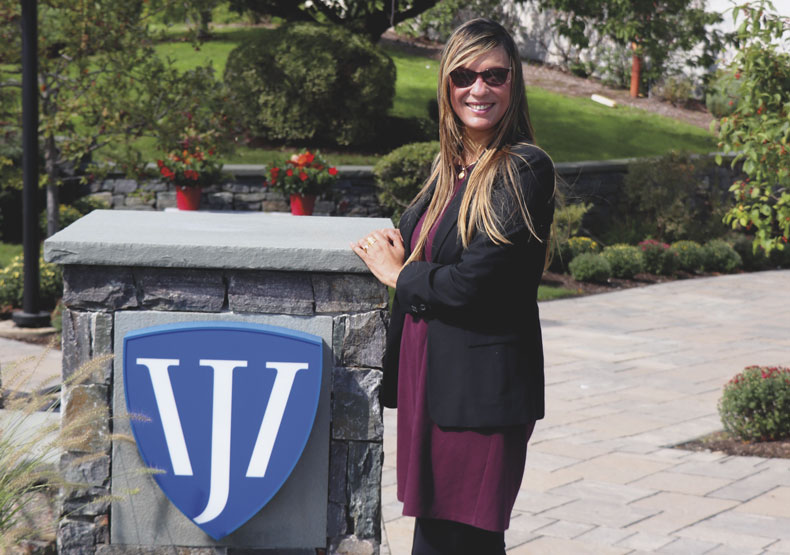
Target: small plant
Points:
(721, 257)
(755, 405)
(676, 89)
(658, 258)
(690, 255)
(191, 165)
(572, 248)
(305, 173)
(624, 260)
(12, 281)
(753, 259)
(590, 267)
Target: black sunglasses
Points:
(493, 76)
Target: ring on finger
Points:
(371, 241)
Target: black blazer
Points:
(485, 353)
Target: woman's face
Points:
(481, 106)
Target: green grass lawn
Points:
(7, 252)
(568, 128)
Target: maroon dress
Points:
(465, 475)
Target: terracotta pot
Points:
(302, 205)
(188, 198)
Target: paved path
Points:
(629, 374)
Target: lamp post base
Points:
(31, 320)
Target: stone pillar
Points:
(122, 267)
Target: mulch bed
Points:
(723, 443)
(612, 284)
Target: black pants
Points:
(444, 537)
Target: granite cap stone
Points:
(205, 239)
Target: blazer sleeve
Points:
(451, 287)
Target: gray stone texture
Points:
(92, 470)
(338, 468)
(87, 346)
(356, 412)
(352, 545)
(270, 292)
(85, 420)
(364, 488)
(181, 289)
(200, 239)
(153, 550)
(359, 339)
(348, 293)
(79, 537)
(219, 201)
(100, 288)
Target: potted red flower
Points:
(190, 168)
(302, 178)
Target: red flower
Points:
(289, 172)
(332, 171)
(303, 176)
(274, 171)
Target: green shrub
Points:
(752, 260)
(625, 260)
(401, 174)
(310, 82)
(73, 212)
(590, 267)
(567, 224)
(722, 95)
(570, 249)
(721, 257)
(690, 255)
(676, 89)
(658, 258)
(669, 199)
(755, 405)
(12, 283)
(780, 258)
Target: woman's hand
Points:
(382, 251)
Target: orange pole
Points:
(636, 71)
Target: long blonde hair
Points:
(471, 40)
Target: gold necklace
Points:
(462, 173)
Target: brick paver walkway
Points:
(629, 375)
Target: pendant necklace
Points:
(464, 169)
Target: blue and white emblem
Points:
(223, 411)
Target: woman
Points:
(464, 359)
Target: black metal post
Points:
(30, 316)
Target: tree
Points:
(102, 89)
(366, 17)
(758, 131)
(654, 29)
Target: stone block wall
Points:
(354, 193)
(357, 303)
(596, 182)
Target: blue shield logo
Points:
(222, 412)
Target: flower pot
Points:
(188, 198)
(302, 205)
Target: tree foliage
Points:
(758, 131)
(366, 17)
(102, 88)
(658, 28)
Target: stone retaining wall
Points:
(596, 182)
(94, 297)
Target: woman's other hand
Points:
(383, 253)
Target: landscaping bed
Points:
(722, 442)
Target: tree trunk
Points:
(53, 201)
(204, 33)
(636, 71)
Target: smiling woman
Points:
(465, 265)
